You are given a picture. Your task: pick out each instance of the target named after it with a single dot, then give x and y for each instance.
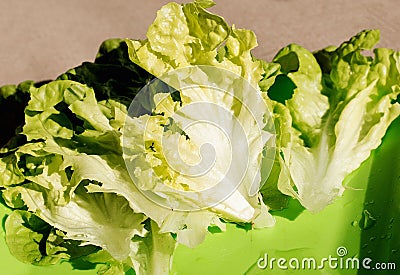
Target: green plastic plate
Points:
(360, 226)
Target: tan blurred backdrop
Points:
(39, 39)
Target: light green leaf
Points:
(10, 174)
(361, 96)
(47, 116)
(307, 105)
(24, 233)
(101, 219)
(185, 35)
(152, 255)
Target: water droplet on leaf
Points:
(367, 220)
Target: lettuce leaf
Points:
(152, 254)
(183, 36)
(339, 111)
(69, 133)
(103, 220)
(72, 176)
(187, 35)
(31, 240)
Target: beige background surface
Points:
(39, 39)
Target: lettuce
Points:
(70, 171)
(188, 35)
(181, 37)
(220, 152)
(109, 164)
(52, 174)
(32, 240)
(335, 113)
(73, 147)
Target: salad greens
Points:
(67, 151)
(341, 106)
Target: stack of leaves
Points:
(62, 165)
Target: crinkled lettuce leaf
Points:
(340, 108)
(103, 220)
(31, 240)
(180, 37)
(71, 138)
(187, 35)
(150, 149)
